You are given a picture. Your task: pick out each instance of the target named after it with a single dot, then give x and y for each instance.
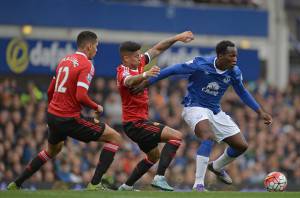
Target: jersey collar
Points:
(218, 70)
(83, 54)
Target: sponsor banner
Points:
(27, 57)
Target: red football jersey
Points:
(134, 107)
(73, 71)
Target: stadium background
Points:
(35, 34)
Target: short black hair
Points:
(84, 37)
(129, 46)
(222, 46)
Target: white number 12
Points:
(60, 88)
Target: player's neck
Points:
(82, 51)
(220, 66)
(129, 66)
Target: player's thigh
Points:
(56, 129)
(170, 134)
(145, 133)
(85, 130)
(203, 130)
(237, 141)
(223, 126)
(198, 120)
(110, 135)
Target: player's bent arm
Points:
(50, 90)
(165, 44)
(246, 97)
(83, 98)
(169, 71)
(130, 81)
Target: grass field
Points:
(143, 194)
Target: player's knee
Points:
(243, 147)
(205, 135)
(153, 158)
(54, 150)
(116, 138)
(153, 155)
(179, 136)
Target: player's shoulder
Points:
(121, 68)
(236, 73)
(201, 62)
(236, 70)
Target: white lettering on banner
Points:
(49, 56)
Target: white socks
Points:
(201, 166)
(222, 161)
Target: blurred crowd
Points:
(23, 133)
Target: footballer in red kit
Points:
(131, 111)
(136, 124)
(73, 71)
(67, 94)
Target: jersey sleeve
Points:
(50, 90)
(85, 76)
(242, 92)
(84, 80)
(145, 59)
(122, 74)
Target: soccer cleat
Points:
(222, 174)
(13, 186)
(200, 188)
(97, 187)
(161, 183)
(125, 187)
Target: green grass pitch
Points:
(143, 194)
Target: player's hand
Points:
(185, 37)
(139, 88)
(98, 114)
(264, 115)
(153, 72)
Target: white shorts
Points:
(222, 124)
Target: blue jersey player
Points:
(209, 78)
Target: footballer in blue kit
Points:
(209, 78)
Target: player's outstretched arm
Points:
(249, 100)
(160, 47)
(131, 81)
(164, 73)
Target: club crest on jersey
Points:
(226, 80)
(212, 88)
(89, 77)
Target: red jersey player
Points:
(67, 93)
(136, 124)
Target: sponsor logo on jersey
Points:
(89, 78)
(212, 88)
(226, 80)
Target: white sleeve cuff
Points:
(82, 84)
(147, 54)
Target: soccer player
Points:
(67, 94)
(136, 123)
(209, 78)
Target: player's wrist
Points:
(145, 75)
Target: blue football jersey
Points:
(207, 84)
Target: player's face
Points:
(229, 59)
(133, 59)
(92, 49)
